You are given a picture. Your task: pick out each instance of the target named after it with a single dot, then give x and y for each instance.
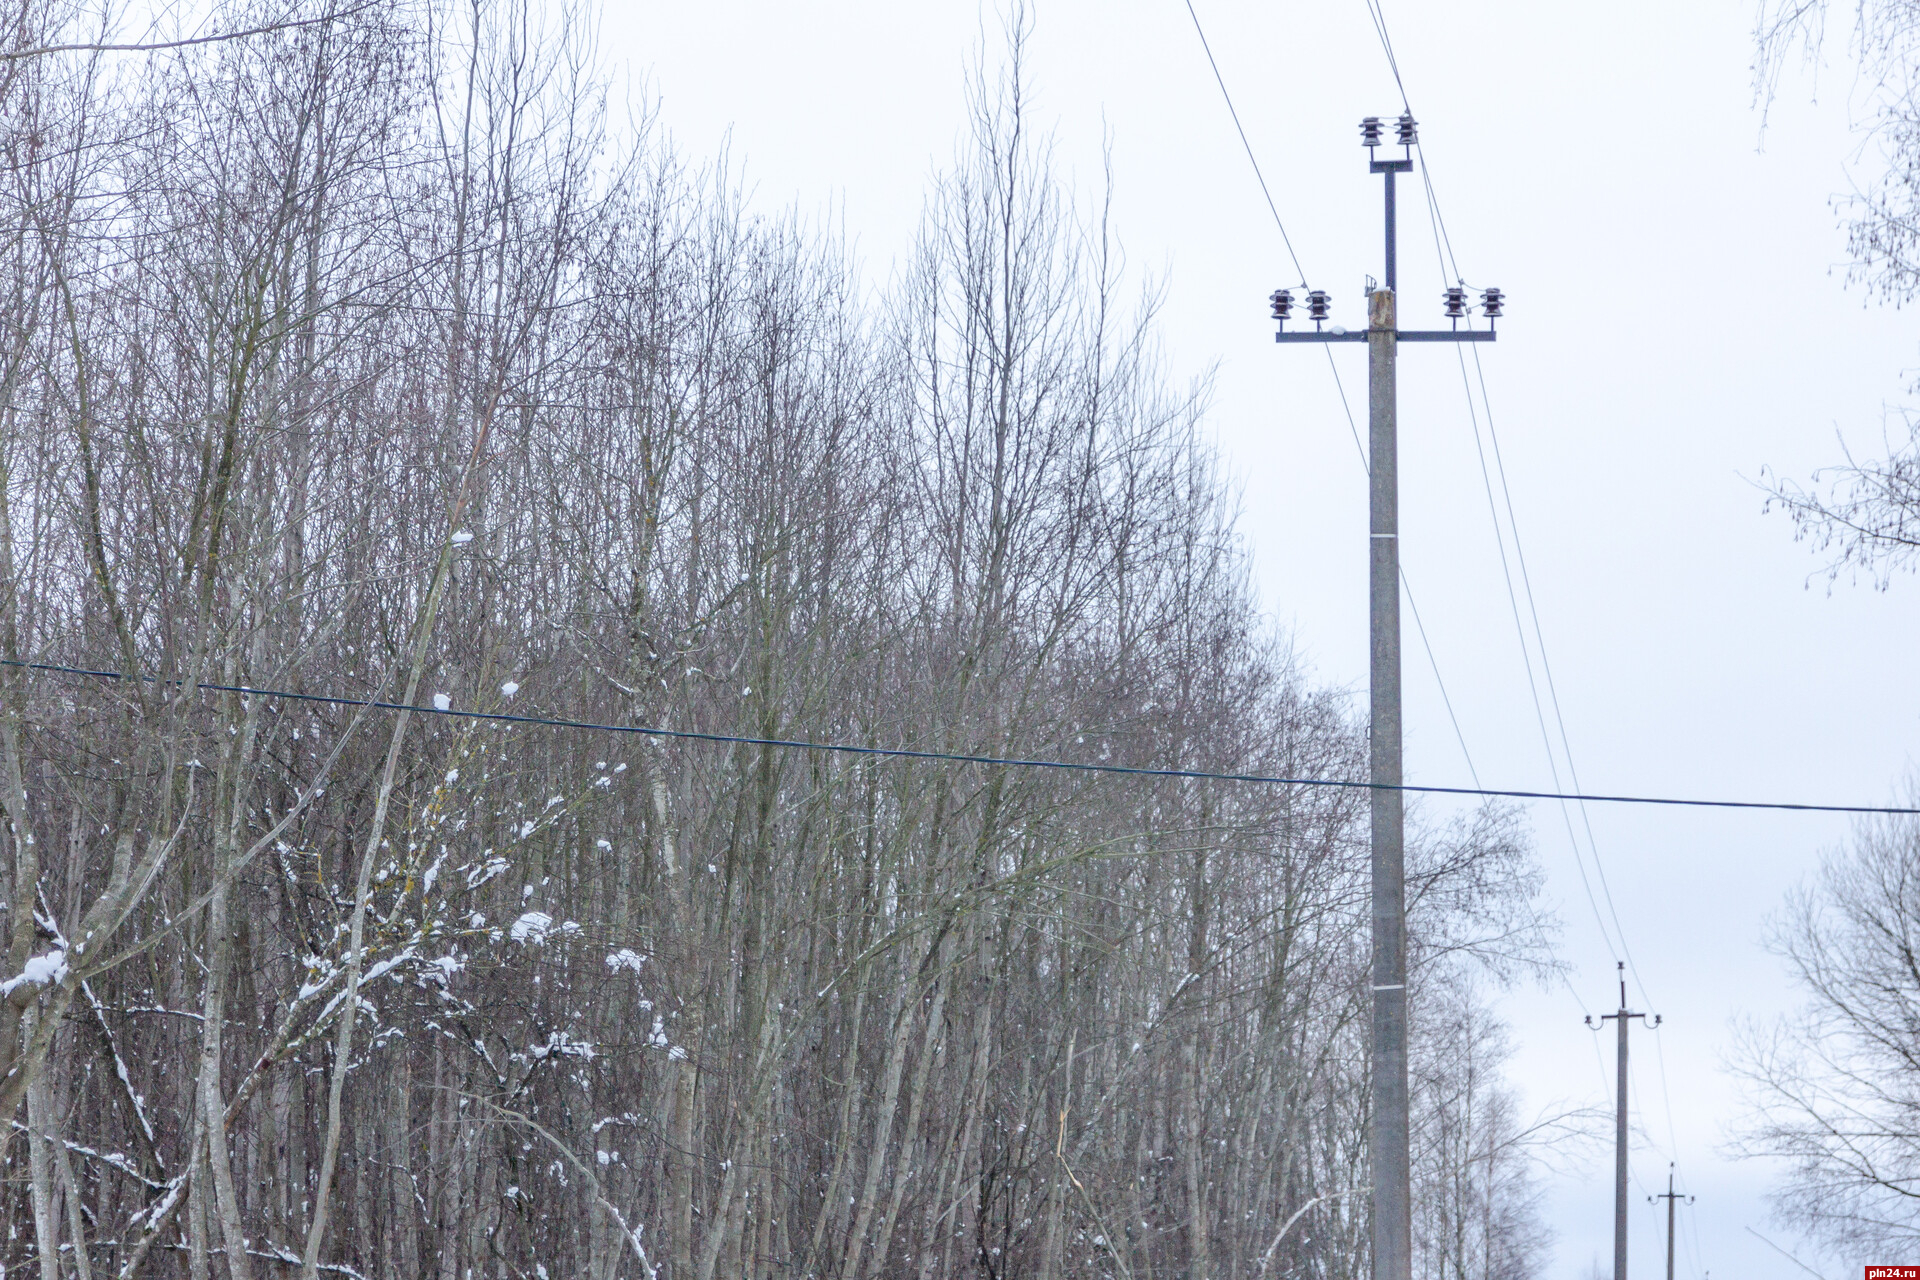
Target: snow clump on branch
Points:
(41, 971)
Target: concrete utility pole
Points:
(1388, 1138)
(1669, 1195)
(1620, 1126)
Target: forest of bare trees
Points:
(376, 359)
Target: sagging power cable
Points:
(955, 757)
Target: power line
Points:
(1586, 1015)
(1666, 1100)
(1789, 1257)
(1443, 251)
(952, 757)
(1379, 17)
(1450, 267)
(1420, 626)
(1241, 130)
(1553, 693)
(1449, 264)
(1418, 623)
(1443, 248)
(1691, 1236)
(1406, 584)
(1526, 659)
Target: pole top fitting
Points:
(1380, 310)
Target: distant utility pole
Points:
(1620, 1132)
(1387, 1139)
(1669, 1195)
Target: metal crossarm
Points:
(1401, 335)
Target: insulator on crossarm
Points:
(1319, 305)
(1456, 303)
(1282, 300)
(1406, 132)
(1370, 132)
(1492, 303)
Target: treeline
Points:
(372, 360)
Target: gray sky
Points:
(1678, 321)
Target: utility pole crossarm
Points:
(1400, 335)
(1319, 305)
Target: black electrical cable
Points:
(1014, 762)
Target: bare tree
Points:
(362, 361)
(1836, 1089)
(1863, 512)
(1882, 41)
(1864, 515)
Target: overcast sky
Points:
(1679, 320)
